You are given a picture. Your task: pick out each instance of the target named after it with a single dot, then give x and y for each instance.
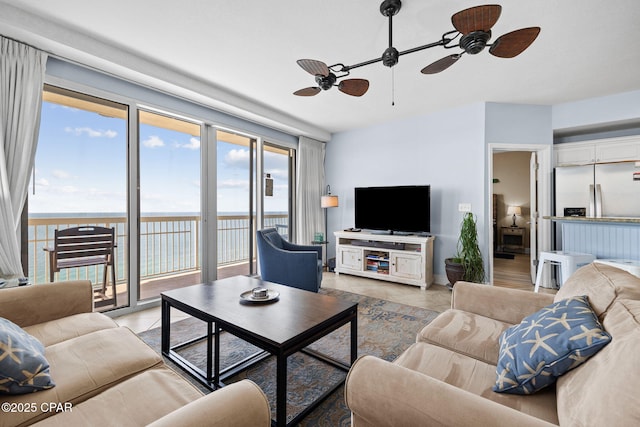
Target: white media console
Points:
(392, 257)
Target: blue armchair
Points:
(298, 266)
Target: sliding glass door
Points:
(277, 200)
(112, 164)
(79, 179)
(170, 226)
(236, 201)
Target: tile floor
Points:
(437, 298)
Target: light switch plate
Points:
(464, 207)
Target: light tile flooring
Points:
(513, 274)
(436, 298)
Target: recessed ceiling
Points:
(248, 49)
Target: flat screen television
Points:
(399, 209)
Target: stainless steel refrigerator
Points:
(602, 190)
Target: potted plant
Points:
(467, 264)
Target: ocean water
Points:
(169, 241)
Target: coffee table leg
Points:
(354, 339)
(209, 351)
(164, 327)
(281, 391)
(216, 352)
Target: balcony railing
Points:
(168, 244)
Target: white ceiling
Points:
(243, 53)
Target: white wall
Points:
(518, 124)
(449, 150)
(445, 150)
(588, 113)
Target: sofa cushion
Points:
(474, 376)
(55, 331)
(23, 366)
(467, 333)
(604, 390)
(85, 366)
(164, 391)
(603, 284)
(547, 344)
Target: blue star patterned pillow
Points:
(547, 344)
(23, 367)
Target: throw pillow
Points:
(547, 344)
(23, 367)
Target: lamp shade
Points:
(329, 201)
(514, 210)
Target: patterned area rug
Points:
(385, 329)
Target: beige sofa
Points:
(446, 377)
(106, 375)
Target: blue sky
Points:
(81, 167)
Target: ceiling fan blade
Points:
(514, 43)
(314, 67)
(354, 87)
(478, 18)
(441, 64)
(308, 91)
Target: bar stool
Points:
(569, 262)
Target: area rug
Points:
(385, 329)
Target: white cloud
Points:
(69, 189)
(91, 133)
(153, 141)
(233, 183)
(194, 144)
(237, 156)
(60, 174)
(42, 182)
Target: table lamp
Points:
(514, 210)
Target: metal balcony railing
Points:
(169, 244)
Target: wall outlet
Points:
(464, 207)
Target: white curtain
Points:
(310, 181)
(21, 80)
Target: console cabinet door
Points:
(406, 265)
(349, 259)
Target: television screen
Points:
(396, 209)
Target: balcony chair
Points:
(298, 266)
(83, 247)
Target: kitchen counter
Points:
(593, 219)
(608, 238)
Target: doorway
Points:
(518, 201)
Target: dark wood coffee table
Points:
(280, 328)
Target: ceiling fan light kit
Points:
(472, 34)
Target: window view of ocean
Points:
(169, 241)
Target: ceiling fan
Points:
(472, 34)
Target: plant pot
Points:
(454, 270)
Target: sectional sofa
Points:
(97, 373)
(449, 376)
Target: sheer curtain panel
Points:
(310, 179)
(21, 81)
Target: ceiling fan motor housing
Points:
(390, 57)
(475, 41)
(326, 82)
(390, 7)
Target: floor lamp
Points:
(328, 201)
